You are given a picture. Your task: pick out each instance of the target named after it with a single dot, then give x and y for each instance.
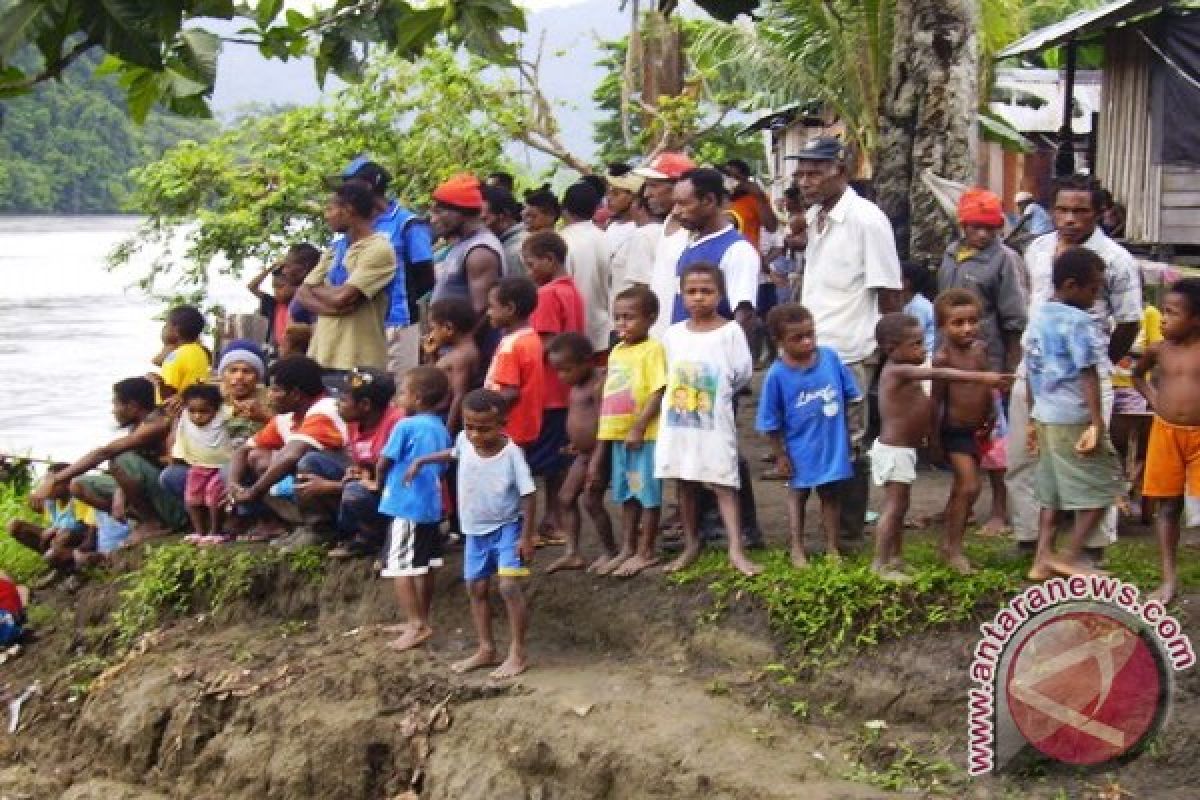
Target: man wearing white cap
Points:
(623, 188)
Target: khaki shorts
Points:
(403, 349)
(1067, 481)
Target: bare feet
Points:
(1067, 568)
(685, 559)
(606, 564)
(995, 527)
(567, 561)
(959, 563)
(1040, 571)
(891, 573)
(833, 557)
(744, 565)
(1163, 594)
(481, 659)
(398, 628)
(635, 565)
(511, 668)
(799, 559)
(413, 637)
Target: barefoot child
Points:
(1077, 466)
(495, 507)
(70, 527)
(451, 342)
(803, 411)
(571, 358)
(414, 542)
(905, 411)
(202, 441)
(708, 360)
(962, 411)
(1173, 456)
(629, 412)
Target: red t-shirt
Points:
(518, 364)
(365, 446)
(10, 598)
(320, 426)
(559, 310)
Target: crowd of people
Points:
(425, 376)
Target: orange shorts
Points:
(1172, 461)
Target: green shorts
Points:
(166, 505)
(1067, 481)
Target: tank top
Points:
(710, 250)
(452, 272)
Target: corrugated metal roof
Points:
(1031, 100)
(1080, 25)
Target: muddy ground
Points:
(635, 692)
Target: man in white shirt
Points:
(1116, 317)
(851, 278)
(587, 260)
(660, 176)
(622, 229)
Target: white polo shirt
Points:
(587, 264)
(663, 281)
(845, 266)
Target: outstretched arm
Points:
(440, 457)
(997, 380)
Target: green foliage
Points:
(898, 767)
(258, 187)
(68, 146)
(163, 53)
(21, 563)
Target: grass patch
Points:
(18, 561)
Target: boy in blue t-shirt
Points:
(415, 504)
(802, 409)
(1077, 466)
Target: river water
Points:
(69, 329)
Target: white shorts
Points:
(413, 548)
(890, 464)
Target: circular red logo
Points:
(1084, 688)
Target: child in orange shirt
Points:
(517, 371)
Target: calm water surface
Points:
(69, 329)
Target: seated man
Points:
(135, 460)
(70, 525)
(306, 437)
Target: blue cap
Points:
(821, 148)
(362, 169)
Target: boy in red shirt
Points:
(559, 309)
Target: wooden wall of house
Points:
(1179, 217)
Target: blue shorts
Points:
(633, 475)
(495, 553)
(10, 628)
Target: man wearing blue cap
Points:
(411, 239)
(851, 278)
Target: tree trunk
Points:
(927, 119)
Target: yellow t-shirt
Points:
(356, 339)
(69, 514)
(186, 365)
(1148, 334)
(634, 373)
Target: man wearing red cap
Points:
(981, 262)
(660, 176)
(475, 261)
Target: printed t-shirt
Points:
(807, 407)
(411, 438)
(634, 373)
(1059, 344)
(490, 488)
(321, 427)
(559, 310)
(69, 515)
(518, 364)
(186, 365)
(356, 339)
(208, 446)
(365, 446)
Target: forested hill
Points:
(68, 147)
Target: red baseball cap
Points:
(666, 166)
(460, 191)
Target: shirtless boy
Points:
(451, 342)
(906, 413)
(571, 357)
(1173, 456)
(963, 411)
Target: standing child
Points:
(572, 360)
(1077, 466)
(906, 414)
(495, 506)
(202, 441)
(451, 342)
(963, 413)
(517, 373)
(916, 304)
(559, 310)
(1173, 456)
(803, 411)
(629, 412)
(414, 542)
(708, 361)
(184, 361)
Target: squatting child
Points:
(13, 599)
(628, 427)
(802, 409)
(1173, 455)
(70, 527)
(572, 360)
(1077, 466)
(963, 413)
(495, 507)
(906, 415)
(202, 441)
(708, 361)
(414, 544)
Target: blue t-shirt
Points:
(1059, 344)
(421, 500)
(413, 244)
(922, 309)
(807, 406)
(490, 488)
